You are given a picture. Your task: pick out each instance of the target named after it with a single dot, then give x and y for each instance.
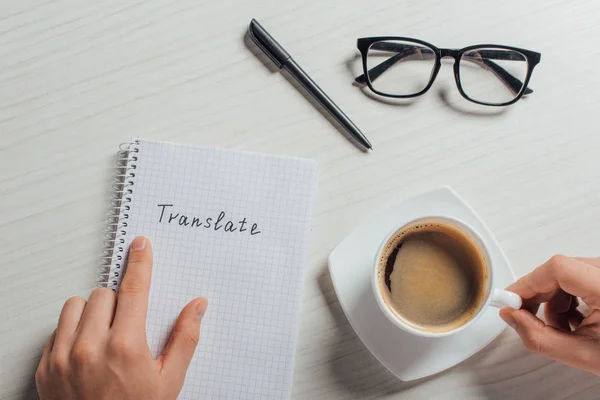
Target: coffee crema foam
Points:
(432, 276)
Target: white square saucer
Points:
(351, 263)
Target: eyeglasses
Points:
(485, 74)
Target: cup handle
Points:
(503, 298)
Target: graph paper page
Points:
(232, 227)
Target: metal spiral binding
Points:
(117, 224)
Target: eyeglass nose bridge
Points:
(453, 53)
(449, 53)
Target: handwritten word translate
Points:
(215, 223)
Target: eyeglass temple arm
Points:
(513, 83)
(403, 51)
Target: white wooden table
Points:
(78, 78)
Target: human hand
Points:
(99, 349)
(567, 335)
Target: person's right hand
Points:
(567, 335)
(99, 349)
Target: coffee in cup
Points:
(432, 276)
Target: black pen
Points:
(283, 60)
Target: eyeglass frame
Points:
(364, 44)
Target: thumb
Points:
(566, 347)
(178, 354)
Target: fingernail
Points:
(201, 307)
(139, 243)
(509, 320)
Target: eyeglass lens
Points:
(485, 74)
(397, 67)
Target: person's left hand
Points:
(99, 349)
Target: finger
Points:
(574, 277)
(47, 349)
(575, 302)
(591, 321)
(560, 303)
(556, 309)
(558, 321)
(531, 305)
(593, 261)
(132, 301)
(67, 323)
(99, 312)
(44, 364)
(575, 318)
(178, 354)
(574, 350)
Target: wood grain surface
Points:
(78, 78)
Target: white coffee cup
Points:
(494, 296)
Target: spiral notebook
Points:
(230, 226)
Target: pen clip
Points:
(267, 44)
